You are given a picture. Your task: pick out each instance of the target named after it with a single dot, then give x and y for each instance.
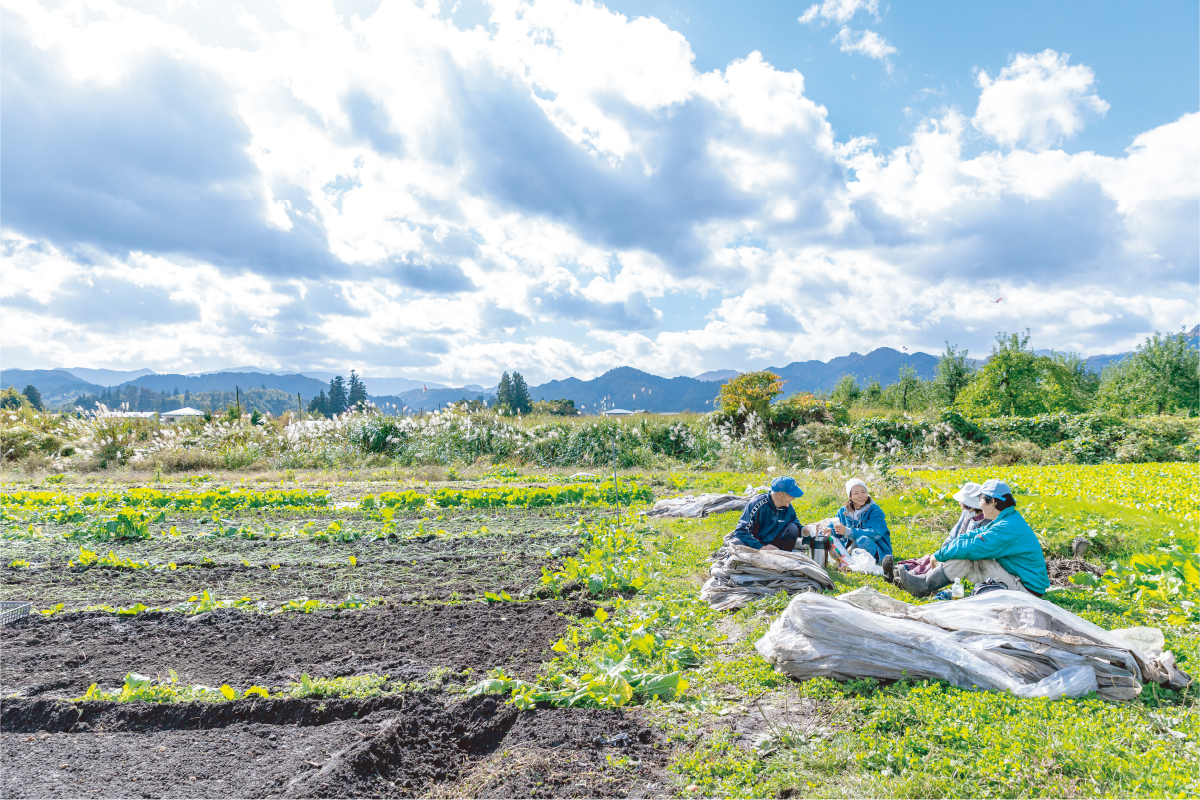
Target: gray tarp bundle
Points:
(697, 507)
(997, 641)
(742, 574)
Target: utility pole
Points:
(299, 406)
(238, 394)
(616, 489)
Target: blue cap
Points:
(994, 488)
(787, 485)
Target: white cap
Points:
(968, 495)
(850, 484)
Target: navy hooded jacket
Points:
(762, 523)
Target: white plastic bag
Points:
(862, 561)
(1149, 640)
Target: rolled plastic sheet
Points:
(1000, 641)
(741, 574)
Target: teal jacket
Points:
(1009, 540)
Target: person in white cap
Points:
(970, 519)
(862, 523)
(1004, 551)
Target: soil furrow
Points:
(62, 655)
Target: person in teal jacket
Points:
(1004, 551)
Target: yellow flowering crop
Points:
(1172, 488)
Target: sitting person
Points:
(969, 519)
(862, 524)
(1004, 550)
(769, 522)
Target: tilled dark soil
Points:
(424, 568)
(1061, 570)
(420, 744)
(61, 656)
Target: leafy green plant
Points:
(128, 524)
(609, 661)
(1167, 577)
(611, 559)
(139, 687)
(350, 686)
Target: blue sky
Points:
(447, 191)
(1145, 56)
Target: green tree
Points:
(504, 395)
(319, 404)
(873, 394)
(954, 371)
(357, 391)
(34, 397)
(750, 392)
(846, 391)
(521, 401)
(1010, 384)
(336, 402)
(559, 408)
(1161, 376)
(907, 392)
(1068, 383)
(11, 399)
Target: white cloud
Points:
(839, 11)
(560, 192)
(1037, 101)
(867, 43)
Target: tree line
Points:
(512, 397)
(138, 398)
(1161, 377)
(343, 396)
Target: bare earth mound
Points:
(384, 747)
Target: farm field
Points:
(375, 634)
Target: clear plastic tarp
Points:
(999, 641)
(742, 574)
(696, 507)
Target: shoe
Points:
(889, 569)
(922, 585)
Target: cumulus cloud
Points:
(560, 192)
(839, 11)
(1037, 101)
(867, 43)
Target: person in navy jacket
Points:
(769, 522)
(862, 522)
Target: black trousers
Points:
(787, 540)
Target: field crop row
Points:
(1169, 488)
(515, 497)
(223, 499)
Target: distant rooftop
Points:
(182, 412)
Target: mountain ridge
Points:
(621, 387)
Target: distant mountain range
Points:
(624, 387)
